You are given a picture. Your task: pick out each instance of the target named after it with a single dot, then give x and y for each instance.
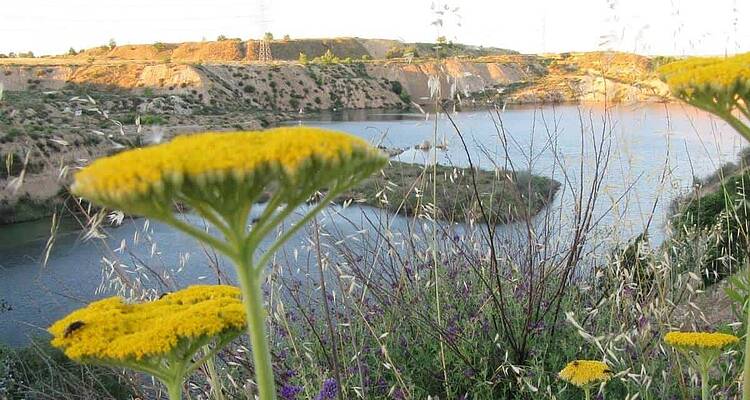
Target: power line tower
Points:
(264, 46)
(264, 51)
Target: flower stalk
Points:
(221, 176)
(702, 350)
(720, 86)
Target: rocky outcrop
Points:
(465, 77)
(292, 86)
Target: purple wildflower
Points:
(289, 392)
(329, 390)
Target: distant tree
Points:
(112, 44)
(303, 58)
(328, 58)
(221, 38)
(411, 51)
(394, 52)
(28, 54)
(268, 36)
(12, 55)
(287, 38)
(3, 55)
(442, 40)
(72, 51)
(159, 46)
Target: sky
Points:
(666, 27)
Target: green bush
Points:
(40, 371)
(721, 214)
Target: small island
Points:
(406, 189)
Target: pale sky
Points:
(530, 26)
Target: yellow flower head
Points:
(227, 168)
(585, 372)
(700, 340)
(112, 331)
(714, 76)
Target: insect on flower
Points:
(74, 326)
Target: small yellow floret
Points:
(585, 372)
(225, 166)
(111, 330)
(700, 340)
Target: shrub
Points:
(394, 52)
(303, 59)
(41, 371)
(722, 215)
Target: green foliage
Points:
(394, 52)
(402, 51)
(146, 119)
(268, 36)
(722, 214)
(405, 98)
(499, 194)
(658, 61)
(112, 44)
(41, 371)
(221, 38)
(396, 87)
(72, 51)
(327, 58)
(303, 59)
(159, 46)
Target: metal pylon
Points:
(264, 51)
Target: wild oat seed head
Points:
(700, 340)
(115, 331)
(714, 75)
(585, 372)
(225, 165)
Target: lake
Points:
(656, 150)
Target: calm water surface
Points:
(648, 142)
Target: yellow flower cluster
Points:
(714, 74)
(585, 372)
(700, 340)
(115, 331)
(230, 162)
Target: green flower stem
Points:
(174, 389)
(587, 392)
(737, 124)
(215, 379)
(266, 258)
(705, 387)
(252, 297)
(240, 247)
